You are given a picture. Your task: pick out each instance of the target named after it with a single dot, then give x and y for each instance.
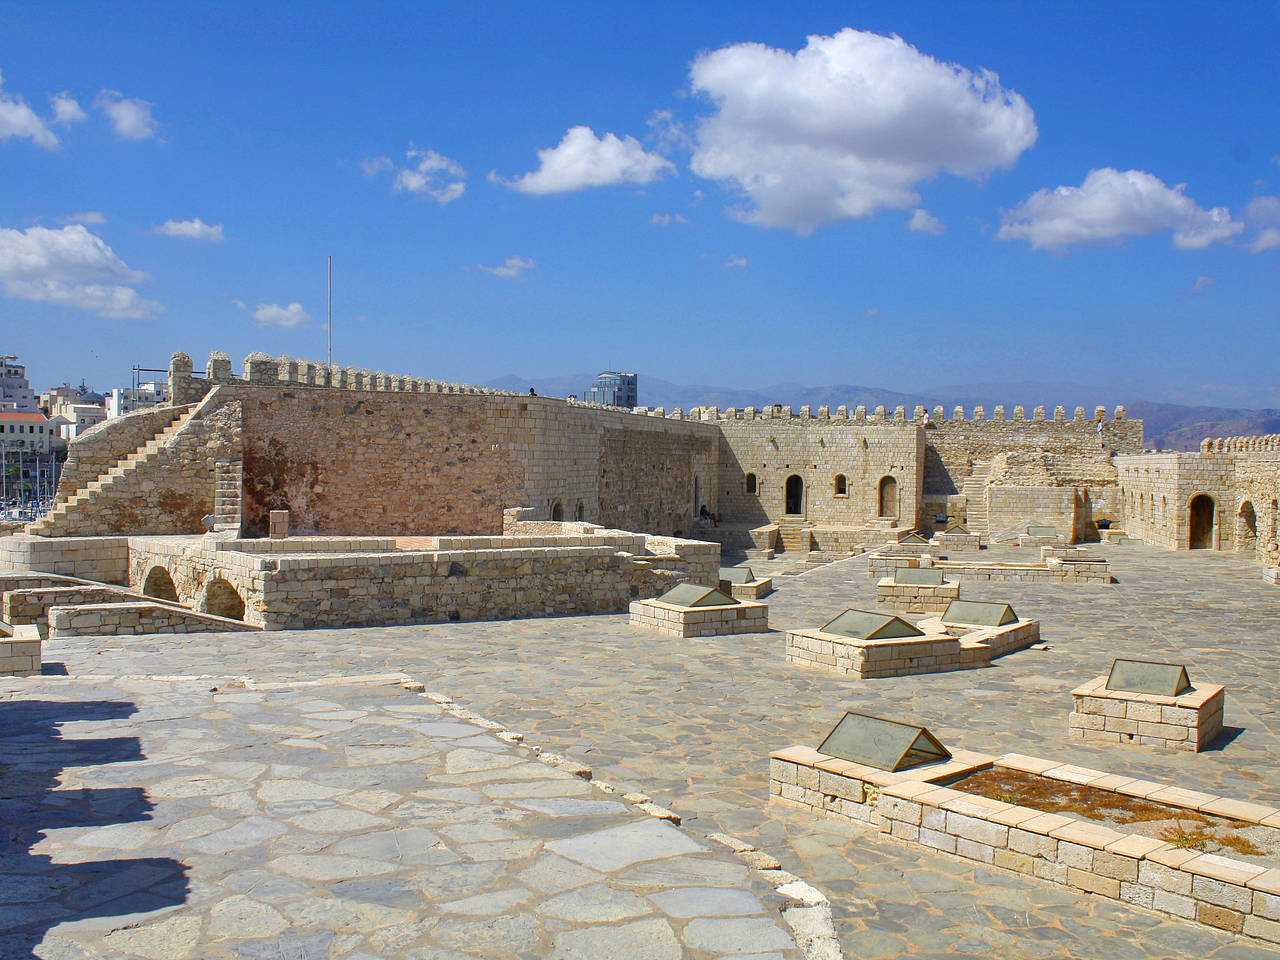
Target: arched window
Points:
(841, 486)
(751, 483)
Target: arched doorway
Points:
(1200, 522)
(557, 511)
(580, 512)
(795, 495)
(160, 585)
(1246, 528)
(223, 600)
(888, 497)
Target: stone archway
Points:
(795, 495)
(888, 497)
(223, 600)
(557, 511)
(160, 585)
(1200, 513)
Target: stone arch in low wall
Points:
(159, 584)
(222, 600)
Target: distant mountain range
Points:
(1167, 426)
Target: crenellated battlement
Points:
(1267, 443)
(880, 414)
(262, 369)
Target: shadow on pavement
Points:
(35, 892)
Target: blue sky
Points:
(739, 193)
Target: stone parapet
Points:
(139, 617)
(102, 559)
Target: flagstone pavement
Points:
(689, 722)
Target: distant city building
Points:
(614, 390)
(57, 401)
(15, 391)
(124, 400)
(25, 431)
(73, 419)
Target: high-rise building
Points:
(614, 389)
(15, 391)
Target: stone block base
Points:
(1191, 721)
(744, 617)
(916, 598)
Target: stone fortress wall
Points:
(358, 452)
(350, 452)
(1225, 497)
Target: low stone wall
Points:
(143, 617)
(916, 597)
(20, 655)
(743, 617)
(103, 559)
(913, 806)
(1190, 721)
(31, 605)
(1061, 571)
(1051, 570)
(936, 652)
(1037, 540)
(943, 542)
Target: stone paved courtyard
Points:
(689, 722)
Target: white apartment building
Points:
(124, 400)
(15, 391)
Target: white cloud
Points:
(848, 125)
(1264, 214)
(274, 315)
(17, 120)
(131, 119)
(666, 219)
(65, 108)
(922, 221)
(735, 262)
(194, 229)
(87, 217)
(1201, 285)
(72, 267)
(511, 269)
(428, 174)
(1112, 205)
(583, 160)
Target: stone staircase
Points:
(793, 535)
(81, 500)
(975, 495)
